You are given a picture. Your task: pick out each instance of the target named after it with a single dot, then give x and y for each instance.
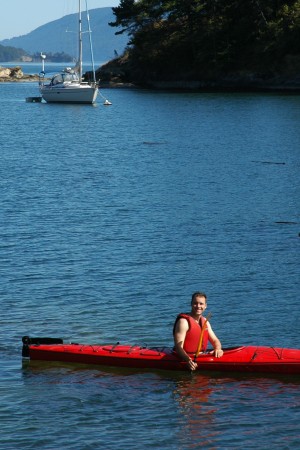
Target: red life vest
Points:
(192, 337)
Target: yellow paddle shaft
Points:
(201, 336)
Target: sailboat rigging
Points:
(68, 86)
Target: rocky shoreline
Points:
(121, 72)
(112, 77)
(15, 74)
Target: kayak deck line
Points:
(249, 359)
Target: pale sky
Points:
(18, 17)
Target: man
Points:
(188, 329)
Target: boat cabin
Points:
(65, 77)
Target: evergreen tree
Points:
(204, 38)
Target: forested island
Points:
(8, 53)
(208, 44)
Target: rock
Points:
(4, 72)
(11, 72)
(15, 74)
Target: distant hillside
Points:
(52, 37)
(8, 53)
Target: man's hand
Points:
(218, 352)
(191, 364)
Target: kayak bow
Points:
(247, 359)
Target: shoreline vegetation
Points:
(114, 75)
(209, 46)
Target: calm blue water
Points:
(110, 218)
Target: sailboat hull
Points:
(80, 93)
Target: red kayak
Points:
(249, 359)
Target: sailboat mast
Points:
(91, 45)
(80, 41)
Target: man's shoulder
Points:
(183, 315)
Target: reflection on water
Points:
(195, 406)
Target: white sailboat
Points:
(67, 86)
